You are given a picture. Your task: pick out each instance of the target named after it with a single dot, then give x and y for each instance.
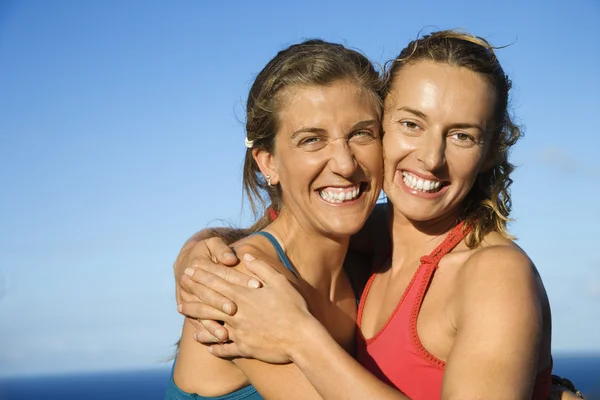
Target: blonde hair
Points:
(487, 206)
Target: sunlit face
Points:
(328, 157)
(437, 127)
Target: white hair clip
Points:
(248, 143)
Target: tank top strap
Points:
(455, 236)
(282, 256)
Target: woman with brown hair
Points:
(314, 149)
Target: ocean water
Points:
(151, 384)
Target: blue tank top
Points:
(248, 392)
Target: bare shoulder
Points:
(499, 261)
(499, 279)
(262, 249)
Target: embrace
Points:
(332, 296)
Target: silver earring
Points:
(268, 178)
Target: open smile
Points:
(422, 187)
(339, 195)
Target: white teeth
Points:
(420, 184)
(339, 197)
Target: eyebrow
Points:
(418, 113)
(422, 115)
(311, 129)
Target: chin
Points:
(417, 214)
(343, 229)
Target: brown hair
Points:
(488, 204)
(312, 62)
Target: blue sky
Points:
(120, 136)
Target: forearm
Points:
(228, 235)
(333, 372)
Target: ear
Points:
(267, 164)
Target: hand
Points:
(266, 324)
(200, 302)
(209, 251)
(213, 255)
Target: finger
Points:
(202, 334)
(184, 293)
(213, 282)
(177, 293)
(195, 323)
(201, 311)
(186, 297)
(215, 329)
(205, 337)
(222, 253)
(225, 350)
(261, 269)
(205, 294)
(227, 273)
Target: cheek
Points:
(299, 166)
(371, 157)
(464, 166)
(395, 147)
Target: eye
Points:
(312, 143)
(463, 139)
(362, 136)
(410, 125)
(309, 141)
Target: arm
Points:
(206, 249)
(204, 373)
(498, 321)
(197, 247)
(298, 337)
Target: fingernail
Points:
(195, 337)
(209, 349)
(230, 255)
(227, 308)
(189, 272)
(180, 307)
(218, 333)
(253, 283)
(249, 257)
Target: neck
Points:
(318, 258)
(413, 239)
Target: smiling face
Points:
(437, 126)
(328, 157)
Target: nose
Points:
(342, 160)
(432, 153)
